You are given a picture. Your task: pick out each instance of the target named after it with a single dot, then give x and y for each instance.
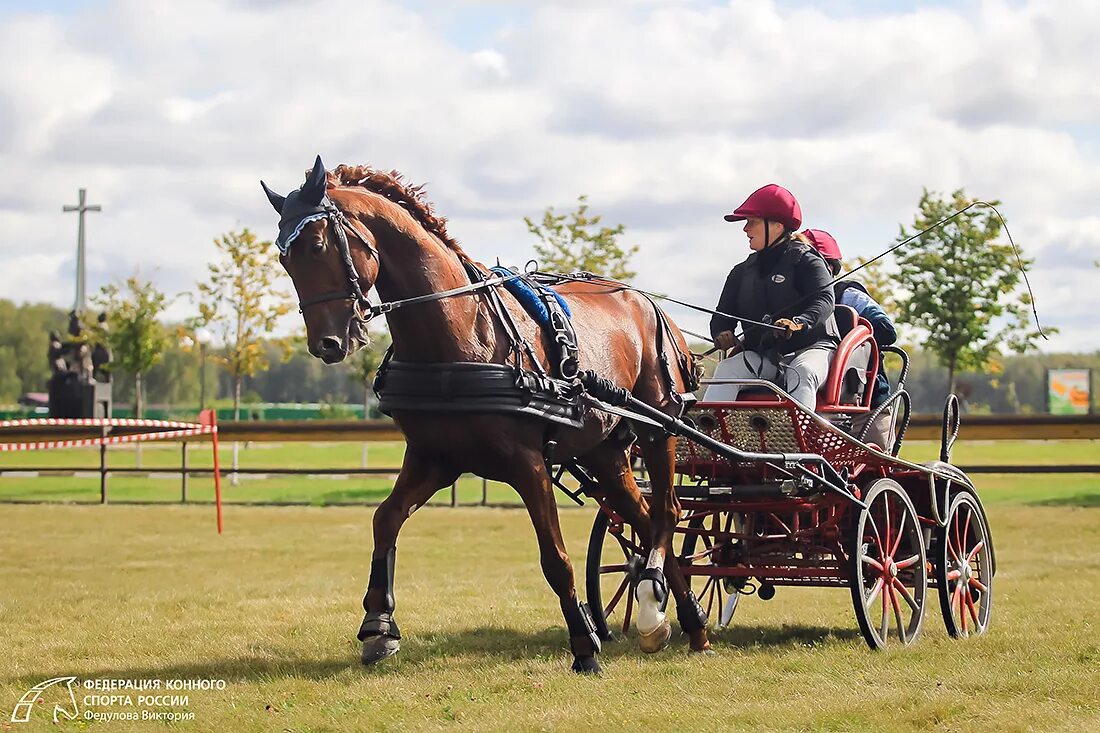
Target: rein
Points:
(364, 311)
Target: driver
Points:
(783, 282)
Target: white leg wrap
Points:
(653, 627)
(650, 615)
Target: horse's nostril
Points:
(329, 347)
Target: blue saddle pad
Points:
(525, 293)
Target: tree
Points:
(576, 241)
(24, 329)
(365, 365)
(963, 286)
(241, 305)
(132, 329)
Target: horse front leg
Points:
(419, 479)
(532, 482)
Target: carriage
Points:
(773, 494)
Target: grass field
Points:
(271, 607)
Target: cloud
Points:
(665, 115)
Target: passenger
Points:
(784, 282)
(852, 293)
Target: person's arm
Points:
(726, 304)
(812, 279)
(881, 324)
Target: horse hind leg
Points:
(419, 479)
(663, 573)
(610, 465)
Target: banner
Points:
(1068, 391)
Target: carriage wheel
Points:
(964, 568)
(889, 576)
(616, 560)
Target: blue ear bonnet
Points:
(295, 215)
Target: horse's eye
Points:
(319, 245)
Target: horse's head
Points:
(333, 261)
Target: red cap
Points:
(773, 203)
(824, 242)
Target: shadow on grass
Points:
(1077, 500)
(481, 644)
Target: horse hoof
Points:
(586, 665)
(708, 652)
(657, 639)
(377, 648)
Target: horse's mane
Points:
(392, 187)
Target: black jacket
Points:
(787, 280)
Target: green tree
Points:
(365, 365)
(241, 304)
(11, 388)
(25, 329)
(576, 241)
(133, 330)
(963, 286)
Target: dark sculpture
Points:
(80, 382)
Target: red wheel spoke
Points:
(897, 612)
(954, 574)
(966, 530)
(711, 584)
(874, 592)
(908, 562)
(872, 562)
(962, 609)
(901, 531)
(886, 545)
(884, 630)
(973, 611)
(975, 583)
(626, 613)
(615, 598)
(977, 548)
(630, 547)
(905, 594)
(877, 538)
(951, 549)
(613, 568)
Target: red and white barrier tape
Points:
(81, 422)
(189, 430)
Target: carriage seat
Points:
(851, 375)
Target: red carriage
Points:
(775, 495)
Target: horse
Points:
(347, 231)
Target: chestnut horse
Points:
(347, 231)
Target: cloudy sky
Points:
(666, 114)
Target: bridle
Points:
(338, 222)
(362, 310)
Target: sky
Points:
(665, 114)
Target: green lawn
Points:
(271, 607)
